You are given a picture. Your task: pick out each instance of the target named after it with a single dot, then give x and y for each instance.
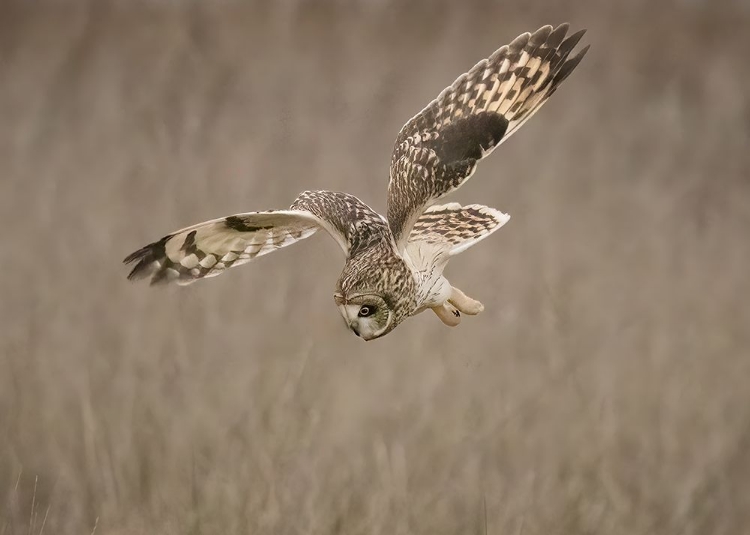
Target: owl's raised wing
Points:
(438, 149)
(209, 248)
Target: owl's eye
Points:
(367, 310)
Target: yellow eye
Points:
(367, 310)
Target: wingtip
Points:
(519, 42)
(139, 256)
(568, 66)
(145, 257)
(557, 35)
(541, 35)
(562, 29)
(140, 271)
(132, 257)
(501, 216)
(572, 40)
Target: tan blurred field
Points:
(605, 389)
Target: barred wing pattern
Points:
(210, 248)
(437, 150)
(455, 228)
(354, 224)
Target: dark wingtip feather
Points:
(569, 65)
(541, 35)
(145, 258)
(557, 35)
(570, 43)
(519, 42)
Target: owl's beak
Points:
(349, 313)
(352, 324)
(354, 327)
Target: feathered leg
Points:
(464, 303)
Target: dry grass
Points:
(604, 390)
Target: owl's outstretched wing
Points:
(209, 248)
(438, 149)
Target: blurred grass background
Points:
(605, 389)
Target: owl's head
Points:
(367, 315)
(375, 293)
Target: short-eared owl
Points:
(394, 266)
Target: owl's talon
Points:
(464, 303)
(448, 314)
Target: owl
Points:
(394, 265)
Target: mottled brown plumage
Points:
(394, 267)
(437, 150)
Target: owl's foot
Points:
(464, 303)
(448, 314)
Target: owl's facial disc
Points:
(366, 315)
